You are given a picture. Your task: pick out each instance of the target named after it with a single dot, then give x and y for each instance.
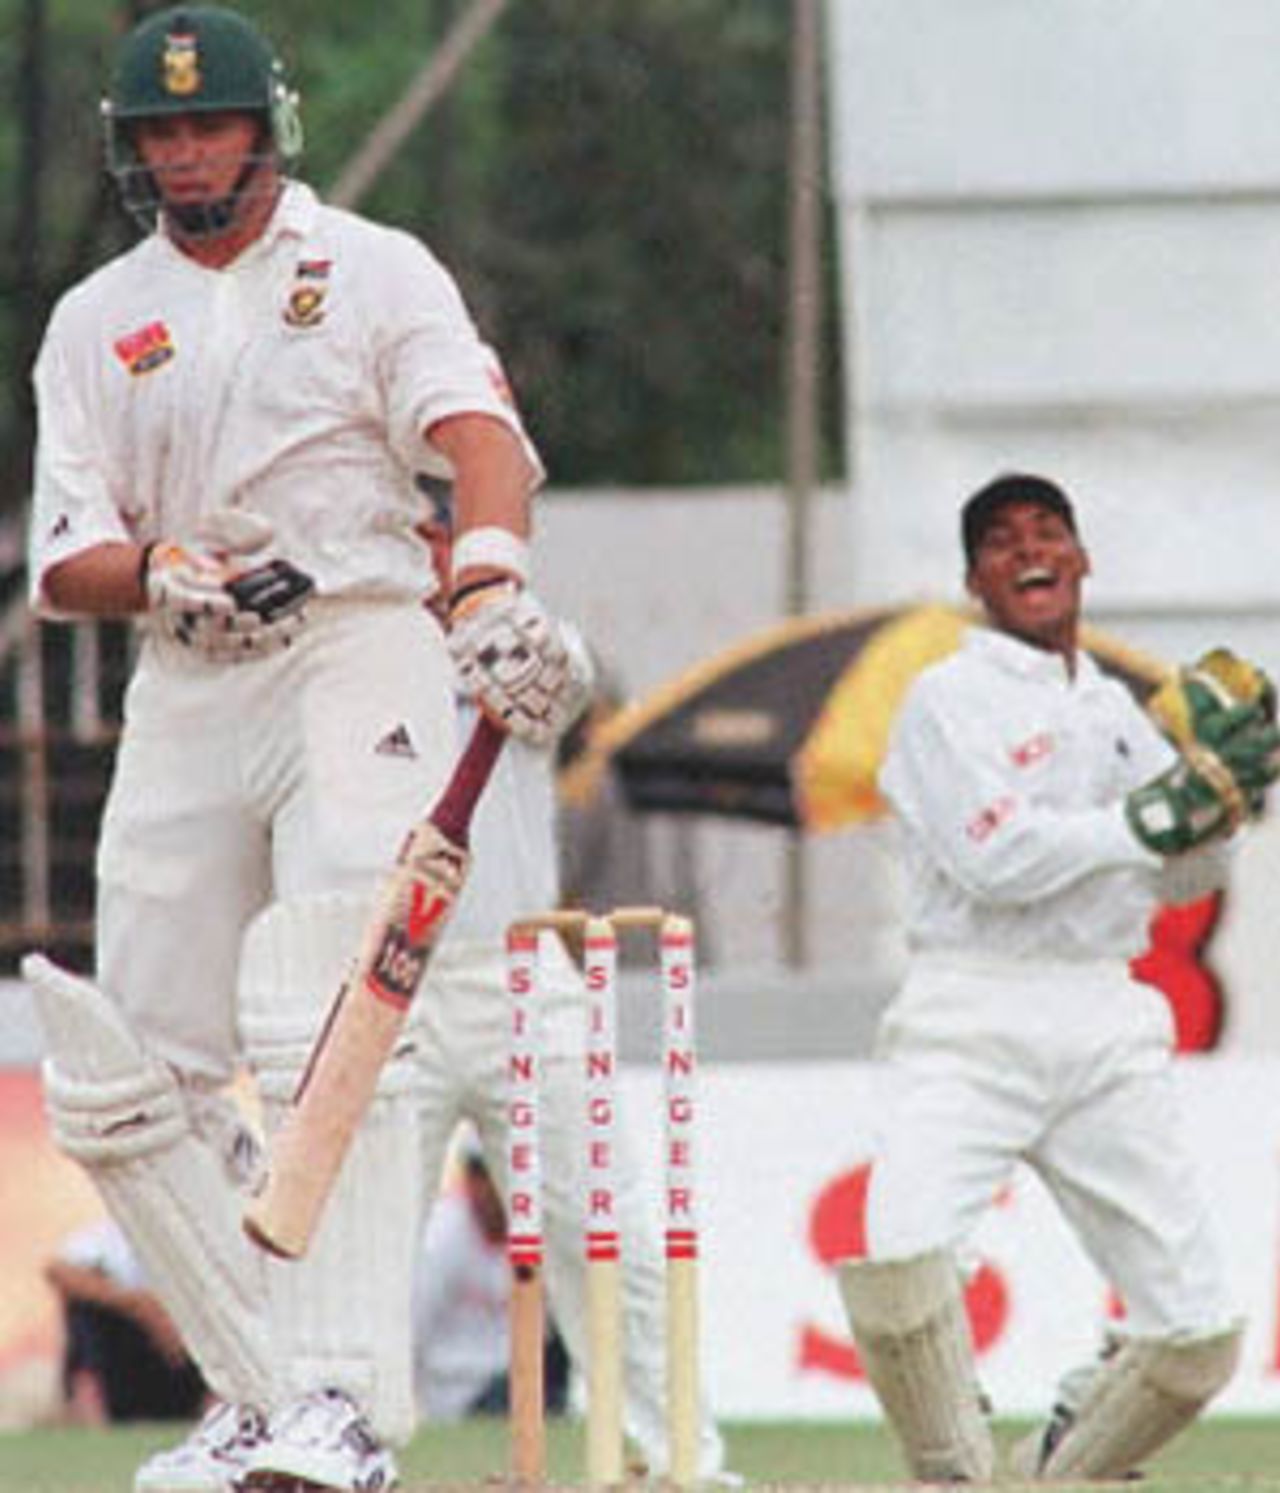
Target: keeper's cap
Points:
(985, 506)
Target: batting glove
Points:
(528, 671)
(207, 599)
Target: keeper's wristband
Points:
(491, 545)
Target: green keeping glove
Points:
(1243, 741)
(1186, 806)
(1188, 704)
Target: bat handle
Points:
(452, 814)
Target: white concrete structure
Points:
(1059, 227)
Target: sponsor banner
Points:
(781, 1153)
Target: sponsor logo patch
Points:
(986, 821)
(145, 350)
(397, 743)
(501, 387)
(1035, 749)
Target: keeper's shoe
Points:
(320, 1441)
(211, 1458)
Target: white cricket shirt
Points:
(296, 382)
(1008, 776)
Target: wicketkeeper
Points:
(1043, 817)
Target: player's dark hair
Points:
(985, 506)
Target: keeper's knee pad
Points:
(1141, 1398)
(908, 1320)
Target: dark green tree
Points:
(608, 182)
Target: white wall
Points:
(1058, 226)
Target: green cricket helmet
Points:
(195, 59)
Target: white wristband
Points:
(492, 546)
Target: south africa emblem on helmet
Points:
(181, 64)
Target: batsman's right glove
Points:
(206, 598)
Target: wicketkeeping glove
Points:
(1220, 780)
(527, 670)
(1186, 704)
(208, 599)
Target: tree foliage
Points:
(607, 181)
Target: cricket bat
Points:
(366, 1018)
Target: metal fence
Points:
(60, 694)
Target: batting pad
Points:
(909, 1323)
(1140, 1399)
(122, 1115)
(340, 1316)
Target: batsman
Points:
(1043, 818)
(232, 415)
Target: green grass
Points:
(1236, 1454)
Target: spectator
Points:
(123, 1358)
(461, 1305)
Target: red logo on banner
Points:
(1176, 962)
(837, 1231)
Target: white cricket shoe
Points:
(210, 1459)
(321, 1441)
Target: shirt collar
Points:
(1016, 657)
(293, 218)
(295, 212)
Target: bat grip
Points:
(452, 814)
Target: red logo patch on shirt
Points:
(498, 379)
(1031, 750)
(146, 349)
(989, 819)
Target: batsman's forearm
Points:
(104, 581)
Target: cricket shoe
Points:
(211, 1458)
(321, 1441)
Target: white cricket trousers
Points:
(1064, 1066)
(239, 784)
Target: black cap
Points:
(985, 506)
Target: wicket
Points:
(602, 1245)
